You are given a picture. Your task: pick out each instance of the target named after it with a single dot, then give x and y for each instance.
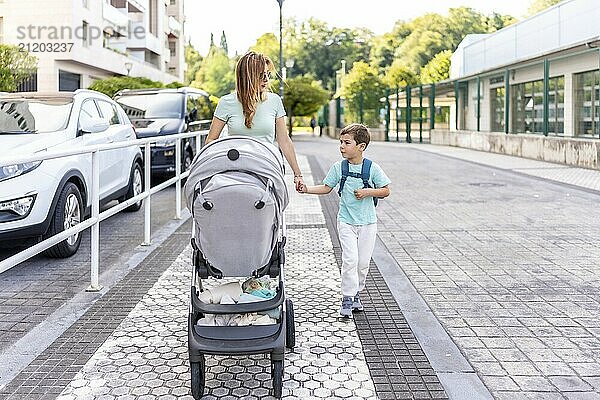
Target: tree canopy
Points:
(15, 66)
(539, 5)
(303, 96)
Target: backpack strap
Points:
(366, 172)
(345, 172)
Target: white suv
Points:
(43, 198)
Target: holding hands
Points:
(299, 182)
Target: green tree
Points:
(268, 45)
(216, 74)
(193, 59)
(223, 43)
(318, 49)
(398, 75)
(303, 96)
(110, 86)
(437, 69)
(15, 66)
(384, 46)
(432, 33)
(363, 88)
(539, 5)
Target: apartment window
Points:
(173, 2)
(173, 49)
(84, 34)
(85, 3)
(497, 109)
(528, 106)
(587, 103)
(68, 81)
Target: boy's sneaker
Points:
(356, 303)
(346, 308)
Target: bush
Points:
(110, 86)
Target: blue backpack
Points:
(365, 173)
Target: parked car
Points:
(164, 112)
(42, 198)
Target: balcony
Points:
(115, 16)
(175, 27)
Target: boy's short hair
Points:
(359, 132)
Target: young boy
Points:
(357, 221)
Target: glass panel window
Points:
(527, 101)
(497, 104)
(587, 103)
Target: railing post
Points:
(147, 168)
(456, 103)
(408, 113)
(506, 100)
(388, 109)
(178, 182)
(420, 113)
(478, 81)
(546, 96)
(397, 113)
(431, 109)
(95, 229)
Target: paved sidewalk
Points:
(485, 284)
(508, 263)
(133, 343)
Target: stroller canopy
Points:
(238, 153)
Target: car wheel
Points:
(136, 186)
(67, 213)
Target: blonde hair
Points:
(248, 75)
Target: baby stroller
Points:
(236, 192)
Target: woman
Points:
(252, 110)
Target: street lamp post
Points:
(128, 66)
(280, 2)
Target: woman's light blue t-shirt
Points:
(231, 112)
(353, 211)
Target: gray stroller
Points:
(236, 192)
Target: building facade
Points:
(79, 41)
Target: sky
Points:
(245, 20)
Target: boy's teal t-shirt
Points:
(229, 109)
(353, 211)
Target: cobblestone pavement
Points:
(147, 353)
(507, 263)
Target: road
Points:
(36, 288)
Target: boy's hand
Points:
(360, 194)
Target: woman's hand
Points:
(299, 182)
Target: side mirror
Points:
(93, 125)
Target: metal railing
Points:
(96, 216)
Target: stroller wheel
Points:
(197, 370)
(290, 329)
(277, 374)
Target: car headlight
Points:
(10, 171)
(166, 143)
(20, 207)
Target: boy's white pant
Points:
(357, 242)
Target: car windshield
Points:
(34, 115)
(152, 105)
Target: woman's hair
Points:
(249, 74)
